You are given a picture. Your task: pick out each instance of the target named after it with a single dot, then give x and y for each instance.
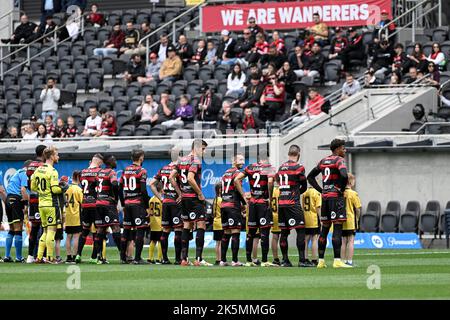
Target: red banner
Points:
(293, 15)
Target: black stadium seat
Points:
(120, 104)
(371, 218)
(26, 92)
(81, 78)
(390, 218)
(409, 218)
(123, 116)
(429, 219)
(133, 89)
(442, 219)
(96, 79)
(127, 130)
(143, 130)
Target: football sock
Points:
(98, 244)
(104, 247)
(164, 242)
(159, 251)
(32, 239)
(224, 246)
(50, 243)
(116, 238)
(199, 243)
(264, 243)
(9, 242)
(151, 250)
(249, 243)
(177, 244)
(323, 240)
(284, 244)
(139, 243)
(185, 243)
(95, 246)
(42, 244)
(82, 240)
(337, 240)
(18, 244)
(126, 235)
(301, 244)
(235, 246)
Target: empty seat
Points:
(120, 104)
(390, 218)
(80, 62)
(12, 106)
(206, 72)
(27, 108)
(127, 130)
(143, 130)
(440, 34)
(107, 65)
(149, 88)
(429, 219)
(26, 92)
(89, 102)
(179, 87)
(37, 64)
(96, 79)
(91, 46)
(90, 33)
(64, 49)
(133, 89)
(129, 15)
(332, 71)
(65, 62)
(222, 88)
(143, 15)
(10, 78)
(103, 34)
(78, 48)
(51, 63)
(24, 78)
(164, 86)
(194, 87)
(39, 78)
(409, 218)
(190, 73)
(442, 226)
(105, 102)
(11, 92)
(94, 62)
(14, 120)
(221, 72)
(118, 90)
(123, 117)
(81, 78)
(134, 103)
(67, 76)
(370, 219)
(158, 130)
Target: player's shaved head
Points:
(137, 154)
(110, 161)
(40, 150)
(294, 151)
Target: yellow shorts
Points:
(50, 216)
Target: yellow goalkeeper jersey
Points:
(155, 209)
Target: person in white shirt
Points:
(42, 134)
(50, 96)
(148, 110)
(29, 133)
(350, 87)
(437, 56)
(93, 123)
(236, 80)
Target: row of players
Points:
(183, 205)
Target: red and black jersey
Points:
(185, 165)
(330, 168)
(105, 193)
(258, 177)
(230, 196)
(132, 181)
(338, 45)
(292, 182)
(163, 175)
(31, 168)
(88, 181)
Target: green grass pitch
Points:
(405, 274)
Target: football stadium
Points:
(224, 150)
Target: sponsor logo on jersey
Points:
(291, 222)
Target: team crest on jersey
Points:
(50, 219)
(176, 220)
(138, 221)
(291, 222)
(333, 215)
(37, 215)
(230, 222)
(106, 219)
(192, 215)
(262, 221)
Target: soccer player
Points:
(276, 227)
(353, 208)
(171, 212)
(154, 210)
(45, 182)
(334, 181)
(292, 183)
(311, 203)
(88, 180)
(74, 198)
(107, 200)
(16, 200)
(260, 177)
(133, 183)
(230, 210)
(217, 222)
(33, 207)
(188, 172)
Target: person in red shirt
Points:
(109, 126)
(95, 18)
(272, 99)
(278, 43)
(250, 122)
(315, 102)
(114, 43)
(260, 49)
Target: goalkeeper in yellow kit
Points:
(45, 182)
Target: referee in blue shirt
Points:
(16, 200)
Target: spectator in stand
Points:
(145, 31)
(286, 75)
(297, 60)
(412, 75)
(208, 106)
(253, 70)
(338, 45)
(165, 110)
(211, 53)
(93, 123)
(226, 52)
(113, 45)
(42, 134)
(437, 57)
(146, 113)
(228, 120)
(370, 78)
(314, 64)
(382, 59)
(319, 31)
(396, 78)
(260, 50)
(184, 50)
(71, 129)
(434, 76)
(13, 133)
(400, 62)
(172, 67)
(108, 127)
(354, 49)
(184, 114)
(253, 92)
(67, 3)
(315, 102)
(271, 69)
(249, 121)
(298, 106)
(418, 58)
(274, 57)
(50, 96)
(60, 129)
(95, 18)
(244, 47)
(390, 29)
(199, 57)
(350, 87)
(24, 33)
(152, 71)
(254, 28)
(135, 69)
(236, 81)
(278, 43)
(272, 99)
(131, 40)
(49, 8)
(45, 31)
(161, 48)
(49, 125)
(28, 132)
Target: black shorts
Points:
(14, 208)
(73, 229)
(218, 234)
(155, 235)
(231, 218)
(171, 215)
(348, 233)
(87, 217)
(59, 235)
(333, 210)
(193, 210)
(259, 215)
(33, 213)
(312, 231)
(135, 216)
(291, 217)
(106, 216)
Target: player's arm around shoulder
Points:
(34, 186)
